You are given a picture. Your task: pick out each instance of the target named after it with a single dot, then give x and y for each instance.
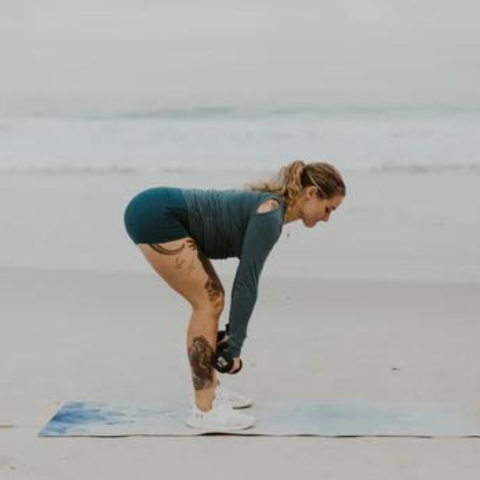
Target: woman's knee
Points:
(188, 271)
(212, 305)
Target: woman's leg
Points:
(189, 272)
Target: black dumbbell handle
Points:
(223, 362)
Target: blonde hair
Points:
(297, 175)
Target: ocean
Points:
(182, 140)
(412, 176)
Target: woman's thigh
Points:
(187, 270)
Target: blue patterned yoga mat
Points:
(280, 418)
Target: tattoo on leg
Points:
(158, 248)
(191, 267)
(200, 354)
(179, 263)
(190, 243)
(213, 285)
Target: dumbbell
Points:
(222, 342)
(223, 362)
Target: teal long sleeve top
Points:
(225, 223)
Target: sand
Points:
(382, 304)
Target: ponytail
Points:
(297, 175)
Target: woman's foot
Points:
(220, 418)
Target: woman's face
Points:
(314, 209)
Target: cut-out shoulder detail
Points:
(268, 205)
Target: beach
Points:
(380, 304)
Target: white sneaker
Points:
(221, 418)
(235, 399)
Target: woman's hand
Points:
(222, 338)
(237, 363)
(223, 343)
(223, 362)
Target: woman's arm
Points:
(263, 231)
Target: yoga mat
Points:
(279, 418)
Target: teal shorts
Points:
(156, 215)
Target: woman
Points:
(179, 230)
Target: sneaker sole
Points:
(242, 405)
(217, 428)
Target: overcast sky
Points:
(297, 52)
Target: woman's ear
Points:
(311, 192)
